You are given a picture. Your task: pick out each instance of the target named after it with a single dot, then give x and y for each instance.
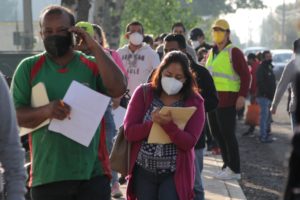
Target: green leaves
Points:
(157, 16)
(216, 7)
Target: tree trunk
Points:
(68, 3)
(80, 8)
(108, 14)
(83, 10)
(71, 4)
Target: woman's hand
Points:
(161, 118)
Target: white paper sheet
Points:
(119, 115)
(87, 110)
(39, 97)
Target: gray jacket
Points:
(287, 77)
(11, 152)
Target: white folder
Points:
(39, 98)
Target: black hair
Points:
(251, 56)
(176, 38)
(189, 86)
(134, 23)
(57, 9)
(178, 24)
(163, 35)
(264, 53)
(148, 39)
(296, 45)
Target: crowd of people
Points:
(172, 70)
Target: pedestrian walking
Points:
(288, 77)
(138, 58)
(253, 64)
(179, 28)
(62, 168)
(12, 155)
(266, 85)
(208, 91)
(164, 171)
(197, 39)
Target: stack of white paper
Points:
(87, 110)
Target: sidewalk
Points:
(217, 189)
(214, 189)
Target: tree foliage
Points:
(217, 7)
(273, 31)
(157, 16)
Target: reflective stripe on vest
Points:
(222, 71)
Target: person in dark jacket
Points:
(292, 190)
(208, 92)
(266, 85)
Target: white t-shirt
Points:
(139, 64)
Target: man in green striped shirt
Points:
(61, 168)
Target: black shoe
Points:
(122, 180)
(246, 133)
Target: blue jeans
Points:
(150, 186)
(198, 188)
(265, 116)
(110, 129)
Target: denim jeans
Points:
(198, 188)
(110, 129)
(265, 116)
(150, 186)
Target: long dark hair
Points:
(189, 86)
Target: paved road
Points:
(264, 166)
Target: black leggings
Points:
(223, 122)
(93, 189)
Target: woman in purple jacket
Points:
(164, 171)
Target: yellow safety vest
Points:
(221, 69)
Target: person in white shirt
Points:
(138, 58)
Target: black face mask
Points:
(57, 45)
(269, 62)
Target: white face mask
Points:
(136, 38)
(170, 85)
(195, 43)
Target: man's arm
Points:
(11, 153)
(241, 68)
(29, 117)
(113, 79)
(286, 77)
(210, 93)
(260, 79)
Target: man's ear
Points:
(41, 35)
